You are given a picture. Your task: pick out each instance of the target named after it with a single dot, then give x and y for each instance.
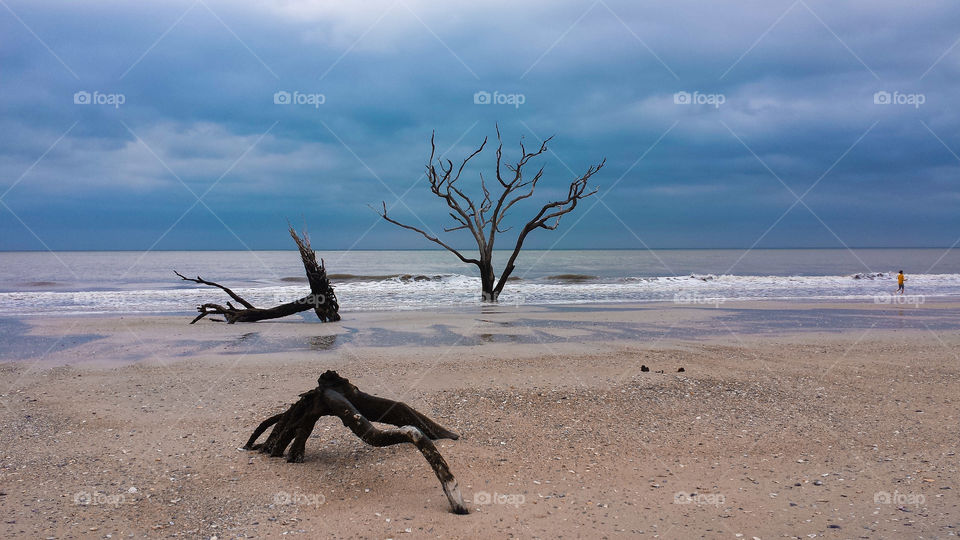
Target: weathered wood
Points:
(335, 396)
(483, 218)
(321, 298)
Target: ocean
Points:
(74, 283)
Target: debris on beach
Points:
(335, 396)
(321, 298)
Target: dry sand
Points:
(799, 421)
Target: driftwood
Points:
(335, 396)
(321, 298)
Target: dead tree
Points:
(335, 396)
(485, 220)
(321, 298)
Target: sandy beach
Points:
(789, 420)
(539, 270)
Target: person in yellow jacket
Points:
(900, 279)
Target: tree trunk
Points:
(503, 279)
(488, 282)
(234, 315)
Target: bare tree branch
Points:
(428, 236)
(321, 299)
(485, 221)
(550, 211)
(232, 294)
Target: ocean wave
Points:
(734, 278)
(39, 284)
(870, 275)
(572, 278)
(388, 277)
(423, 291)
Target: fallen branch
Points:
(321, 298)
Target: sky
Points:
(210, 124)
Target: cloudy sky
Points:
(155, 125)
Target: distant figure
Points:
(900, 279)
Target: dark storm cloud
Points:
(797, 81)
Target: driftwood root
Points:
(335, 396)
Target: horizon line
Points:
(439, 250)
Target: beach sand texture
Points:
(789, 420)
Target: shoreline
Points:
(698, 300)
(132, 338)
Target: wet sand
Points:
(789, 420)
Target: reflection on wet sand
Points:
(540, 325)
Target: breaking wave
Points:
(572, 278)
(385, 277)
(423, 291)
